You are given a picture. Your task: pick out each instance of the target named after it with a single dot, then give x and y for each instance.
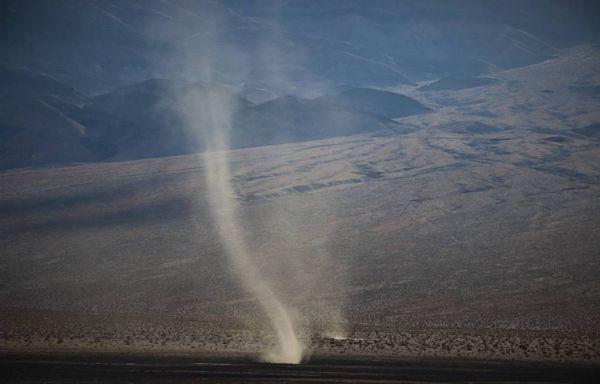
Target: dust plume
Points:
(218, 110)
(294, 305)
(209, 111)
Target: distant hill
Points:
(26, 85)
(469, 127)
(100, 46)
(592, 130)
(145, 119)
(37, 133)
(381, 103)
(35, 123)
(46, 122)
(291, 119)
(456, 83)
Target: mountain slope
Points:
(291, 119)
(147, 119)
(456, 83)
(380, 103)
(165, 117)
(37, 133)
(100, 46)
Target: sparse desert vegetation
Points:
(445, 244)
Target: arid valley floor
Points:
(473, 233)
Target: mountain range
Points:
(45, 122)
(102, 80)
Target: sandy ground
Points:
(69, 332)
(455, 239)
(117, 368)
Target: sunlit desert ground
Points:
(476, 234)
(439, 254)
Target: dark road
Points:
(103, 368)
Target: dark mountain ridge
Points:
(380, 103)
(100, 46)
(163, 117)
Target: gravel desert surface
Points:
(472, 232)
(475, 239)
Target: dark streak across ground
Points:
(166, 369)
